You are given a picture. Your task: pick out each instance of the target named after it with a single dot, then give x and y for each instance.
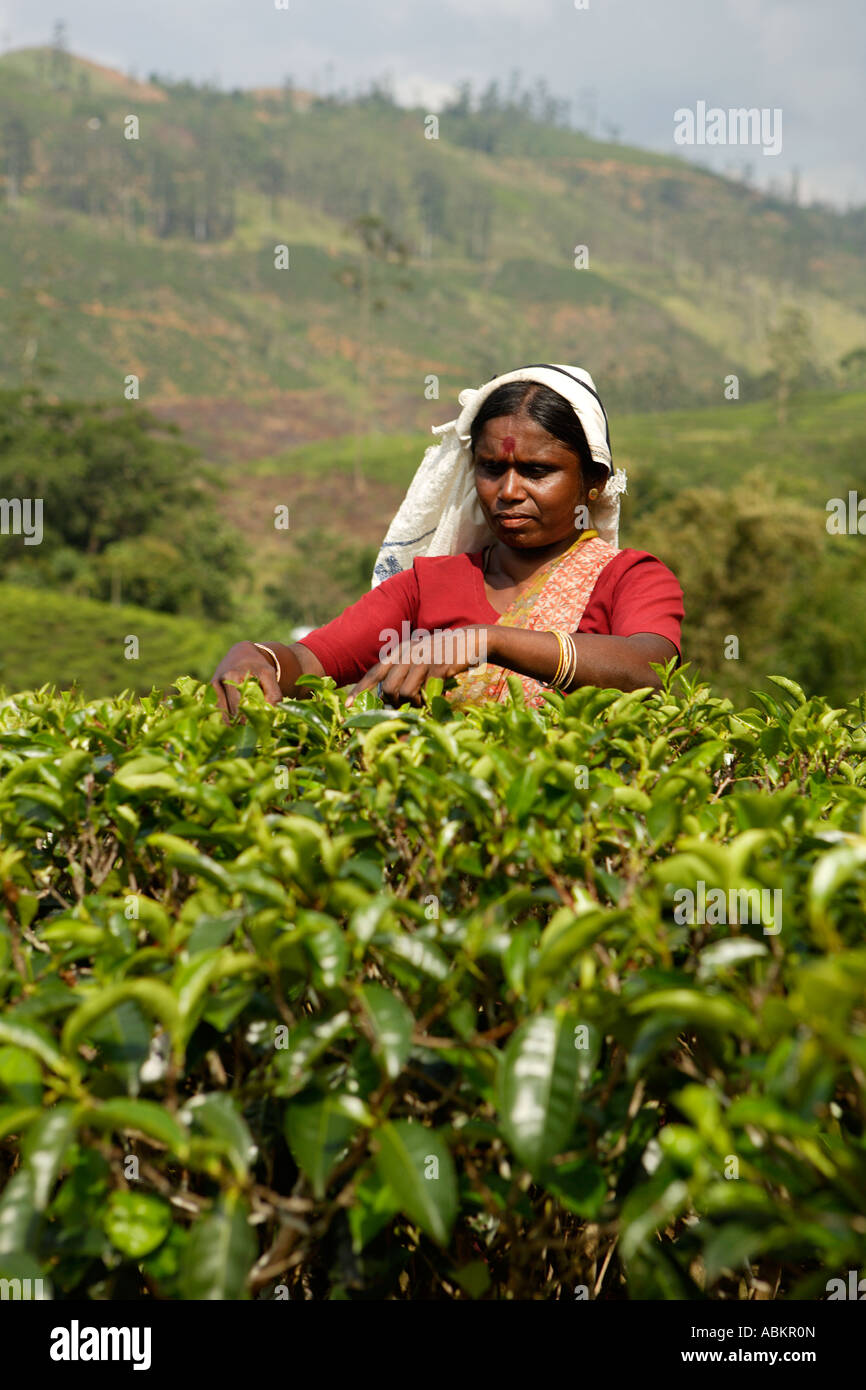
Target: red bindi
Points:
(508, 444)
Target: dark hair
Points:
(548, 409)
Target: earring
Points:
(593, 493)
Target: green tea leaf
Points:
(136, 1222)
(44, 1147)
(146, 1117)
(20, 1075)
(318, 1133)
(219, 1253)
(218, 1115)
(392, 1025)
(537, 1089)
(417, 1165)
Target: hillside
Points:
(78, 643)
(155, 256)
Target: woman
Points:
(502, 558)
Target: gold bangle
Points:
(276, 660)
(554, 632)
(563, 657)
(571, 669)
(567, 666)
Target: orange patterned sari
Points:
(555, 597)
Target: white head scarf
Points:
(441, 515)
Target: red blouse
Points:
(635, 592)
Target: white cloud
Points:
(415, 89)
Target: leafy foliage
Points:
(342, 570)
(760, 568)
(355, 1004)
(125, 513)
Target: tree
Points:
(122, 490)
(789, 344)
(296, 601)
(60, 64)
(272, 181)
(760, 567)
(15, 144)
(462, 103)
(853, 368)
(431, 191)
(736, 555)
(379, 245)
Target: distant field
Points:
(819, 453)
(385, 458)
(51, 638)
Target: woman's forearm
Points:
(295, 661)
(619, 662)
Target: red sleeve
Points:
(349, 645)
(636, 593)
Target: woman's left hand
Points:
(443, 653)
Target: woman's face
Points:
(528, 482)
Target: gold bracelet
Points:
(276, 660)
(563, 657)
(567, 666)
(569, 673)
(554, 632)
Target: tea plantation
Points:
(353, 1004)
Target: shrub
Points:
(127, 509)
(355, 1004)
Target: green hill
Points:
(155, 256)
(52, 638)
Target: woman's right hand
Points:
(244, 659)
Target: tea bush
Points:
(364, 1004)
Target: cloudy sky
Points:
(633, 62)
